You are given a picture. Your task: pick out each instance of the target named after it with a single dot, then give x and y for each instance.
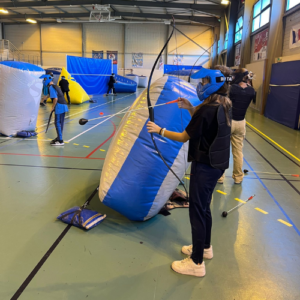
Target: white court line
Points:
(95, 125)
(69, 116)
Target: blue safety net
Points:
(86, 69)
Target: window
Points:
(292, 3)
(261, 13)
(226, 41)
(238, 30)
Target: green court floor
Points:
(255, 255)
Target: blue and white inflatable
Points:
(20, 95)
(135, 181)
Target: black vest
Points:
(219, 151)
(241, 99)
(60, 95)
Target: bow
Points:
(151, 111)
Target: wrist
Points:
(160, 131)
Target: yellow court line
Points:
(262, 211)
(289, 153)
(223, 193)
(237, 199)
(188, 178)
(285, 223)
(101, 150)
(86, 146)
(76, 144)
(66, 142)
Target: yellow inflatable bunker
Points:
(77, 93)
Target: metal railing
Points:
(10, 52)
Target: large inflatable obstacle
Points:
(77, 93)
(125, 85)
(135, 181)
(20, 94)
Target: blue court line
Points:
(276, 202)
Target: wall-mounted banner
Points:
(97, 54)
(137, 60)
(261, 45)
(237, 55)
(161, 64)
(113, 55)
(178, 59)
(295, 36)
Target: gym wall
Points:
(179, 44)
(290, 21)
(25, 37)
(104, 37)
(59, 40)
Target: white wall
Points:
(55, 41)
(59, 40)
(104, 36)
(290, 21)
(202, 35)
(25, 37)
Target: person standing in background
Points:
(111, 84)
(46, 89)
(64, 85)
(241, 94)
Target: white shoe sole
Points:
(183, 273)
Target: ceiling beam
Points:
(203, 20)
(207, 8)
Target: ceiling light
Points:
(3, 11)
(225, 2)
(31, 21)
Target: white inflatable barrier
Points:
(20, 94)
(134, 180)
(135, 78)
(143, 82)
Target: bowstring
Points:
(180, 95)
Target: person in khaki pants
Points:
(241, 94)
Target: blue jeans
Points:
(203, 180)
(59, 125)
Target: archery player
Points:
(208, 134)
(111, 85)
(60, 108)
(64, 85)
(241, 94)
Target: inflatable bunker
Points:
(134, 180)
(77, 93)
(125, 85)
(20, 95)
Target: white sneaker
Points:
(207, 254)
(188, 267)
(57, 143)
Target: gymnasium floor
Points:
(256, 256)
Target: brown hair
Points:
(216, 99)
(245, 78)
